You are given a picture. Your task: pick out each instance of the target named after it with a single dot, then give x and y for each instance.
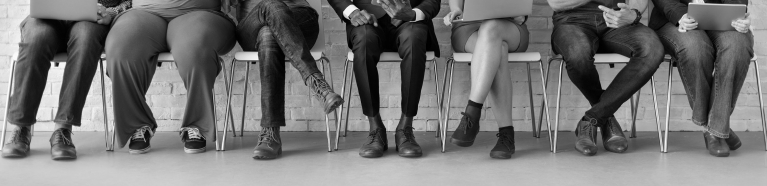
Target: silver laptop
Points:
(716, 16)
(69, 10)
(474, 10)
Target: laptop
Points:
(474, 10)
(68, 10)
(716, 16)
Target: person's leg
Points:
(196, 40)
(734, 51)
(272, 68)
(40, 40)
(411, 38)
(132, 46)
(367, 43)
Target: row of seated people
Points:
(712, 64)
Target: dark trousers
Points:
(41, 39)
(276, 31)
(579, 35)
(195, 39)
(713, 66)
(368, 42)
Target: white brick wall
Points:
(167, 94)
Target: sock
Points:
(375, 122)
(506, 128)
(405, 122)
(474, 110)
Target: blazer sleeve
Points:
(430, 8)
(339, 6)
(745, 2)
(672, 9)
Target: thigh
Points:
(412, 34)
(136, 34)
(87, 32)
(307, 21)
(575, 42)
(201, 30)
(675, 42)
(633, 41)
(732, 40)
(39, 31)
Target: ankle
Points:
(474, 109)
(376, 122)
(62, 126)
(405, 122)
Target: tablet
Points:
(68, 10)
(474, 10)
(716, 16)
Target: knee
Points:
(37, 32)
(87, 35)
(415, 34)
(734, 43)
(273, 6)
(492, 28)
(364, 36)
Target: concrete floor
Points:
(306, 162)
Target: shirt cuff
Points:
(419, 16)
(349, 10)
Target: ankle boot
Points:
(586, 136)
(269, 144)
(322, 91)
(715, 145)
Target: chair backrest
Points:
(320, 44)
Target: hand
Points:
(453, 15)
(687, 23)
(104, 17)
(743, 24)
(398, 9)
(618, 18)
(362, 17)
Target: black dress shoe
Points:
(375, 145)
(466, 132)
(612, 136)
(18, 146)
(504, 148)
(586, 136)
(716, 146)
(406, 144)
(733, 141)
(62, 147)
(139, 141)
(269, 144)
(194, 141)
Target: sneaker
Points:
(504, 148)
(466, 132)
(269, 144)
(62, 147)
(194, 141)
(18, 146)
(322, 91)
(139, 142)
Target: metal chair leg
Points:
(339, 115)
(244, 100)
(349, 103)
(559, 98)
(327, 122)
(227, 88)
(445, 116)
(439, 97)
(545, 104)
(228, 108)
(104, 108)
(657, 116)
(668, 105)
(449, 94)
(532, 106)
(634, 112)
(8, 102)
(761, 103)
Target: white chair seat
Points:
(391, 56)
(165, 57)
(610, 58)
(253, 56)
(513, 57)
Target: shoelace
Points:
(267, 136)
(373, 136)
(139, 134)
(506, 140)
(587, 128)
(18, 138)
(408, 132)
(319, 85)
(469, 123)
(192, 133)
(58, 136)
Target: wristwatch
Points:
(639, 17)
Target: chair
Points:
(252, 57)
(609, 59)
(522, 57)
(386, 57)
(59, 58)
(672, 63)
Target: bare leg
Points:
(500, 93)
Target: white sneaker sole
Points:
(194, 151)
(140, 151)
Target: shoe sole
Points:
(267, 156)
(586, 153)
(500, 155)
(140, 151)
(335, 103)
(14, 156)
(64, 158)
(194, 151)
(370, 155)
(736, 146)
(461, 143)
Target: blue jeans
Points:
(713, 66)
(579, 35)
(276, 30)
(41, 39)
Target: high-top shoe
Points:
(612, 136)
(62, 147)
(139, 142)
(322, 91)
(269, 144)
(194, 141)
(466, 132)
(504, 148)
(18, 145)
(586, 136)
